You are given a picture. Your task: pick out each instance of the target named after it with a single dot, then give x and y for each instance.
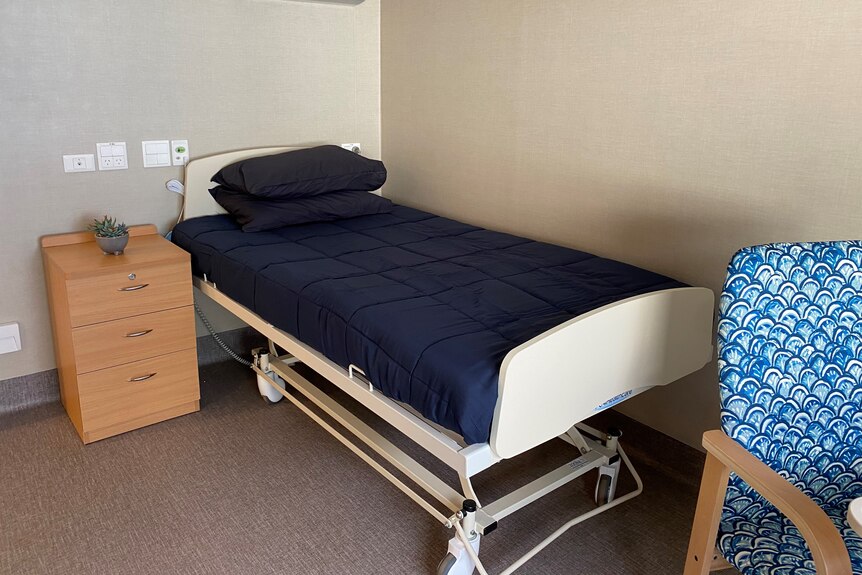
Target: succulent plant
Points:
(108, 227)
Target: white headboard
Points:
(198, 201)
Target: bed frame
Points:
(547, 387)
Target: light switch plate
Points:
(79, 163)
(112, 156)
(10, 338)
(157, 153)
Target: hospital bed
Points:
(628, 342)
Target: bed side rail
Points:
(597, 359)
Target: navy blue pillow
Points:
(303, 173)
(260, 214)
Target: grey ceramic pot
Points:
(113, 246)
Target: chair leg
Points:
(704, 531)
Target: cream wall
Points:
(225, 74)
(662, 133)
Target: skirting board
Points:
(37, 388)
(29, 390)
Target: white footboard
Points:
(597, 359)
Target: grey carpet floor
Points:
(246, 488)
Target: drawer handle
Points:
(142, 377)
(138, 333)
(133, 288)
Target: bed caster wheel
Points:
(447, 564)
(603, 493)
(267, 391)
(606, 485)
(457, 560)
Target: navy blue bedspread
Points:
(426, 306)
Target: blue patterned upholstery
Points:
(790, 370)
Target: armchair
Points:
(781, 474)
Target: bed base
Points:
(277, 378)
(279, 375)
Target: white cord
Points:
(177, 187)
(180, 217)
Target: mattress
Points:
(426, 306)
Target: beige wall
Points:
(225, 74)
(662, 133)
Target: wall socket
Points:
(353, 147)
(79, 163)
(112, 156)
(180, 152)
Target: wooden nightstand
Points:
(124, 331)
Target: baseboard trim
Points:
(43, 387)
(29, 390)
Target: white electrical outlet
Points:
(180, 152)
(353, 147)
(79, 163)
(112, 156)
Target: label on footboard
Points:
(614, 400)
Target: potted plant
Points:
(111, 236)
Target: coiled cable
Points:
(219, 340)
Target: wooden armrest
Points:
(825, 542)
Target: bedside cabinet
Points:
(124, 331)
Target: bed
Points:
(475, 344)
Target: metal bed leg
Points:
(459, 560)
(576, 439)
(606, 485)
(609, 470)
(467, 487)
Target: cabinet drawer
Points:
(139, 337)
(118, 394)
(129, 292)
